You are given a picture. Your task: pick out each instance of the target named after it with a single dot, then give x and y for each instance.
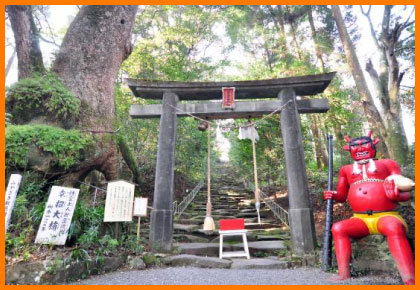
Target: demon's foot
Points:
(339, 277)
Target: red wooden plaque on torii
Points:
(228, 98)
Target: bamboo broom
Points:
(208, 221)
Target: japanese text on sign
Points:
(57, 216)
(119, 202)
(11, 192)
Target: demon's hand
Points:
(391, 191)
(328, 194)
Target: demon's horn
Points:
(347, 138)
(369, 133)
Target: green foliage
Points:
(26, 216)
(78, 254)
(108, 244)
(191, 149)
(33, 187)
(408, 170)
(41, 96)
(173, 39)
(8, 119)
(89, 238)
(19, 245)
(86, 223)
(150, 259)
(64, 146)
(269, 153)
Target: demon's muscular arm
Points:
(342, 188)
(391, 191)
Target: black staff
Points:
(326, 249)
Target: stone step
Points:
(186, 260)
(189, 221)
(249, 235)
(279, 230)
(206, 234)
(247, 215)
(185, 228)
(261, 225)
(199, 249)
(271, 238)
(259, 263)
(181, 238)
(212, 249)
(262, 247)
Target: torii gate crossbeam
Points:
(285, 90)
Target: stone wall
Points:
(372, 254)
(55, 271)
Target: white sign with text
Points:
(140, 206)
(57, 216)
(11, 192)
(119, 202)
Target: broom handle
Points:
(254, 156)
(208, 209)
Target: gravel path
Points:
(199, 276)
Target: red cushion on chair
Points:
(232, 224)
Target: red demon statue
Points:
(373, 197)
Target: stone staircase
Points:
(267, 241)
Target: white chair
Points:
(233, 227)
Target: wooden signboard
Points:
(140, 206)
(119, 202)
(140, 209)
(57, 216)
(11, 192)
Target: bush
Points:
(61, 147)
(132, 244)
(41, 96)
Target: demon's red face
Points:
(361, 148)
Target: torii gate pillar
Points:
(300, 213)
(161, 222)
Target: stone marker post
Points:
(161, 225)
(300, 212)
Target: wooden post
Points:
(256, 189)
(116, 230)
(138, 227)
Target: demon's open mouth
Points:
(362, 154)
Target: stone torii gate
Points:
(285, 90)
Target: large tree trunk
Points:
(318, 50)
(26, 39)
(387, 83)
(321, 159)
(374, 118)
(96, 43)
(278, 16)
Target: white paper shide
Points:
(11, 192)
(119, 202)
(57, 216)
